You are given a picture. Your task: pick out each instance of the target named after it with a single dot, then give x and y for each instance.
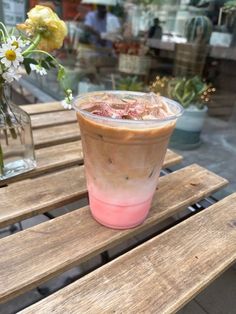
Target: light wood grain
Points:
(43, 120)
(30, 197)
(161, 275)
(56, 135)
(57, 157)
(43, 108)
(39, 253)
(61, 156)
(171, 158)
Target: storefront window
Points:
(180, 49)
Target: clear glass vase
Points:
(16, 140)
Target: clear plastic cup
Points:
(123, 159)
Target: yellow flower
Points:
(42, 20)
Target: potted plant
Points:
(130, 83)
(190, 57)
(193, 94)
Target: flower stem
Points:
(32, 46)
(54, 59)
(11, 127)
(47, 54)
(3, 35)
(4, 29)
(5, 111)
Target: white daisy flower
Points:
(38, 69)
(11, 75)
(17, 42)
(10, 56)
(66, 104)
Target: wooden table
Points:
(158, 276)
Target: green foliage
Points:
(61, 73)
(27, 62)
(160, 86)
(3, 32)
(229, 6)
(46, 63)
(188, 91)
(192, 91)
(130, 83)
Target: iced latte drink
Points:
(124, 137)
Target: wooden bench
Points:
(161, 275)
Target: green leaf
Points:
(50, 61)
(52, 65)
(45, 65)
(27, 62)
(27, 68)
(188, 98)
(199, 85)
(61, 73)
(179, 89)
(30, 60)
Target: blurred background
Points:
(184, 49)
(136, 40)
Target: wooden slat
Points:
(57, 157)
(28, 198)
(43, 108)
(56, 135)
(171, 158)
(161, 275)
(43, 120)
(32, 256)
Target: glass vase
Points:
(16, 140)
